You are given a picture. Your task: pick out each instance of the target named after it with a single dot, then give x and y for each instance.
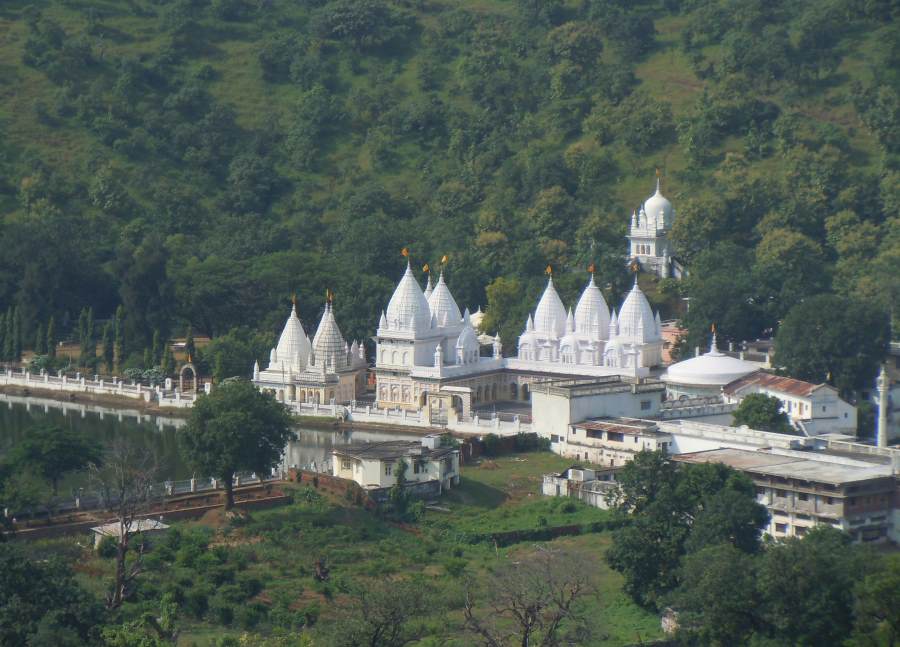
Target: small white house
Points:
(813, 408)
(589, 485)
(375, 465)
(144, 526)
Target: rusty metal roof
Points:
(774, 383)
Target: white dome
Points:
(443, 306)
(328, 344)
(591, 313)
(710, 369)
(656, 203)
(408, 304)
(293, 344)
(636, 320)
(550, 315)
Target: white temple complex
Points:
(428, 352)
(322, 371)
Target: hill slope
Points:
(199, 161)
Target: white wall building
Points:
(813, 408)
(376, 465)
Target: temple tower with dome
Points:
(324, 370)
(648, 236)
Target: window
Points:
(615, 436)
(829, 500)
(803, 496)
(418, 468)
(781, 527)
(780, 494)
(823, 408)
(645, 405)
(554, 438)
(346, 464)
(388, 469)
(636, 439)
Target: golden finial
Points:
(444, 259)
(405, 252)
(591, 268)
(549, 270)
(425, 268)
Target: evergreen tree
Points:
(219, 368)
(189, 347)
(2, 337)
(148, 359)
(119, 344)
(17, 335)
(157, 348)
(82, 331)
(168, 360)
(51, 338)
(40, 347)
(107, 346)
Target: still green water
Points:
(159, 437)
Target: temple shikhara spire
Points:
(648, 235)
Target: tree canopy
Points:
(762, 412)
(235, 428)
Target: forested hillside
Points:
(198, 161)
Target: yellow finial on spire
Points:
(549, 270)
(591, 268)
(425, 268)
(444, 259)
(294, 298)
(405, 252)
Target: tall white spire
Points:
(550, 314)
(883, 384)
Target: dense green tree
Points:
(52, 452)
(762, 412)
(40, 598)
(809, 587)
(236, 427)
(877, 605)
(190, 348)
(675, 510)
(833, 339)
(717, 600)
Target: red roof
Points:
(773, 383)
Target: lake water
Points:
(156, 435)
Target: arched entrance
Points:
(188, 368)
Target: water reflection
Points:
(159, 435)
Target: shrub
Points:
(196, 601)
(107, 547)
(221, 611)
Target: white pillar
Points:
(883, 386)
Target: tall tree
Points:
(125, 478)
(716, 599)
(808, 585)
(17, 335)
(157, 349)
(107, 347)
(119, 333)
(53, 452)
(40, 342)
(877, 606)
(533, 600)
(828, 338)
(236, 427)
(51, 337)
(189, 348)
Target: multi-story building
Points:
(802, 489)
